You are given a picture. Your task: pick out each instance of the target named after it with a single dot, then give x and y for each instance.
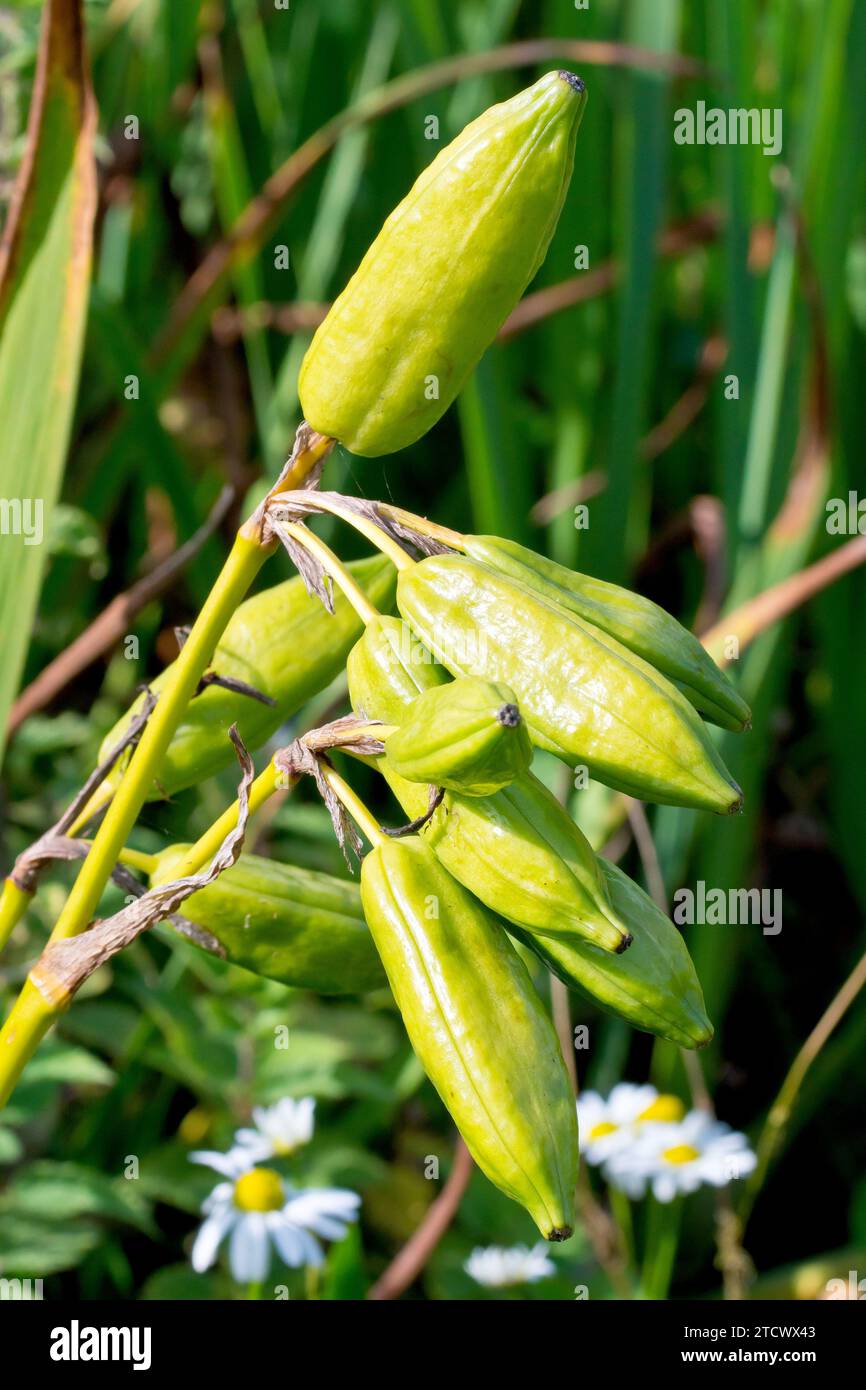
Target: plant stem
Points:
(335, 569)
(620, 1208)
(13, 905)
(326, 502)
(782, 1107)
(410, 1261)
(244, 561)
(201, 853)
(313, 450)
(100, 798)
(355, 806)
(135, 859)
(662, 1240)
(33, 1014)
(454, 539)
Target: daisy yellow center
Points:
(259, 1190)
(283, 1147)
(666, 1109)
(681, 1153)
(602, 1128)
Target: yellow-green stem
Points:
(136, 859)
(316, 448)
(396, 554)
(243, 563)
(99, 799)
(454, 539)
(204, 849)
(363, 818)
(33, 1013)
(13, 905)
(335, 569)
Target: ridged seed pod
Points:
(478, 1028)
(633, 620)
(517, 850)
(653, 986)
(467, 736)
(294, 925)
(584, 696)
(443, 274)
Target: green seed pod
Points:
(294, 925)
(443, 274)
(584, 696)
(467, 736)
(636, 622)
(653, 986)
(517, 850)
(478, 1028)
(282, 642)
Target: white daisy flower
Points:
(673, 1159)
(256, 1209)
(279, 1129)
(497, 1267)
(606, 1126)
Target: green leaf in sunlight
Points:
(44, 275)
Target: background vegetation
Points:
(703, 262)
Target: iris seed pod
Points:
(467, 736)
(284, 644)
(633, 620)
(295, 925)
(584, 696)
(653, 986)
(478, 1028)
(517, 850)
(443, 274)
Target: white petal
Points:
(220, 1196)
(207, 1241)
(222, 1163)
(314, 1255)
(664, 1187)
(231, 1164)
(247, 1136)
(249, 1251)
(307, 1206)
(289, 1240)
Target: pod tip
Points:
(736, 805)
(509, 716)
(576, 83)
(624, 943)
(560, 1233)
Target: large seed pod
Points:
(467, 736)
(447, 268)
(478, 1027)
(633, 620)
(517, 850)
(584, 695)
(298, 926)
(283, 643)
(653, 986)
